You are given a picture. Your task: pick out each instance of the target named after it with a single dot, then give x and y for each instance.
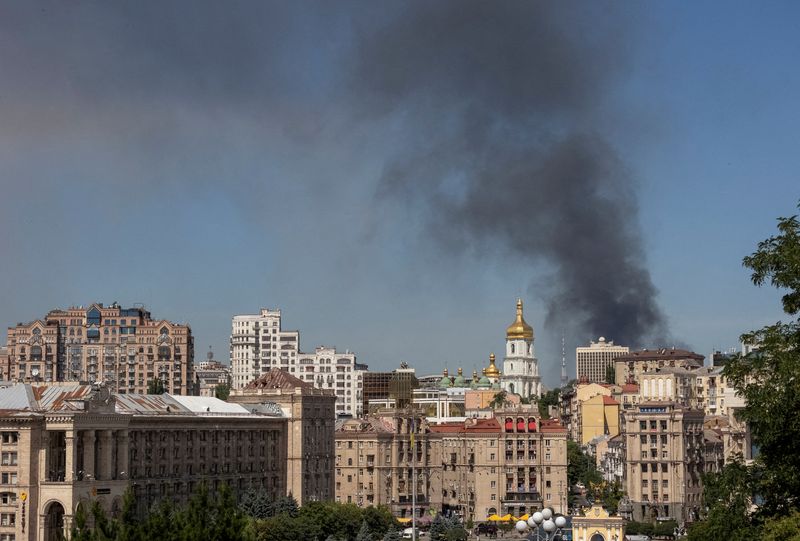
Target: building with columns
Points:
(65, 445)
(520, 366)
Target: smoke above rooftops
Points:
(505, 109)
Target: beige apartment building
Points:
(64, 445)
(123, 348)
(592, 361)
(512, 462)
(664, 460)
(311, 415)
(629, 368)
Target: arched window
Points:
(646, 390)
(520, 425)
(531, 424)
(509, 424)
(512, 348)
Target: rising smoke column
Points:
(504, 108)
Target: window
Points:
(10, 437)
(494, 497)
(644, 467)
(9, 458)
(8, 498)
(9, 478)
(8, 519)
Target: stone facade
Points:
(65, 445)
(628, 368)
(311, 415)
(664, 460)
(512, 462)
(123, 348)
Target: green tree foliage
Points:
(550, 398)
(447, 529)
(768, 381)
(155, 386)
(364, 533)
(727, 498)
(222, 391)
(499, 400)
(611, 374)
(580, 466)
(782, 529)
(393, 535)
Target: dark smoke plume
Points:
(504, 107)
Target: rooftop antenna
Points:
(564, 379)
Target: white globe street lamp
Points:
(552, 525)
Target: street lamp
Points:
(551, 525)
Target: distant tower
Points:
(520, 366)
(564, 379)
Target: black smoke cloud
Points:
(505, 106)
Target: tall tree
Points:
(768, 378)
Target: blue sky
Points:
(159, 155)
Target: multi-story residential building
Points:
(593, 361)
(628, 368)
(664, 460)
(672, 385)
(512, 462)
(259, 344)
(310, 414)
(65, 445)
(611, 460)
(210, 374)
(124, 348)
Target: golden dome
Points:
(491, 370)
(519, 329)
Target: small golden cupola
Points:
(519, 330)
(491, 370)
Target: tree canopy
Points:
(767, 379)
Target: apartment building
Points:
(629, 367)
(512, 462)
(123, 348)
(664, 460)
(259, 344)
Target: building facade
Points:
(65, 445)
(123, 348)
(259, 344)
(511, 462)
(520, 366)
(592, 362)
(210, 374)
(628, 368)
(310, 414)
(664, 461)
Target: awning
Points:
(404, 520)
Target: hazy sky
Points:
(394, 175)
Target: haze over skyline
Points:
(394, 176)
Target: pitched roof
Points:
(474, 426)
(630, 388)
(659, 354)
(608, 401)
(278, 379)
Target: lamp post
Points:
(551, 525)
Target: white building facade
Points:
(593, 361)
(520, 366)
(258, 344)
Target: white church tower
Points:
(520, 366)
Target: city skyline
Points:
(183, 167)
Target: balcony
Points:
(522, 496)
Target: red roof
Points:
(551, 425)
(630, 388)
(608, 401)
(480, 426)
